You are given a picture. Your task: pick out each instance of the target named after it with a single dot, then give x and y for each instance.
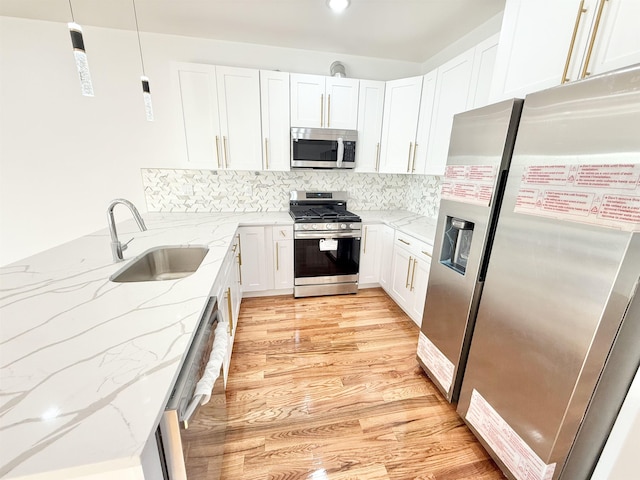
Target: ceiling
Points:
(409, 30)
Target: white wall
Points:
(484, 31)
(63, 156)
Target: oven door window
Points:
(322, 150)
(312, 260)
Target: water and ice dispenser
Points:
(456, 244)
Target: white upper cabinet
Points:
(342, 103)
(274, 98)
(419, 161)
(319, 101)
(616, 44)
(307, 100)
(401, 109)
(239, 110)
(451, 96)
(484, 61)
(544, 42)
(221, 115)
(370, 110)
(199, 100)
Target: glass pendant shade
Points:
(80, 56)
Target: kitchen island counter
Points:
(87, 365)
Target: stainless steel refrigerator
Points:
(479, 155)
(557, 335)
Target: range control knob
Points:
(343, 226)
(314, 226)
(305, 227)
(329, 226)
(353, 226)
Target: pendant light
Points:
(146, 91)
(80, 55)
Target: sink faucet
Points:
(116, 247)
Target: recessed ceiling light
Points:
(338, 5)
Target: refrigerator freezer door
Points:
(479, 155)
(558, 283)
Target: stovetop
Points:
(302, 214)
(327, 207)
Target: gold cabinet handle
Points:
(230, 307)
(592, 41)
(406, 283)
(404, 241)
(266, 153)
(426, 253)
(239, 257)
(321, 109)
(283, 233)
(581, 10)
(328, 110)
(277, 256)
(378, 157)
(413, 273)
(413, 164)
(218, 150)
(409, 158)
(364, 246)
(226, 154)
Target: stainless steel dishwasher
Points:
(184, 402)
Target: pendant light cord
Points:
(71, 8)
(135, 15)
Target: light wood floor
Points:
(329, 388)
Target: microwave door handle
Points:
(340, 153)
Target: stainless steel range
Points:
(326, 241)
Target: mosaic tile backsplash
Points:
(168, 190)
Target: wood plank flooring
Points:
(328, 388)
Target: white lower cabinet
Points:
(254, 265)
(370, 252)
(228, 290)
(410, 273)
(267, 258)
(419, 280)
(386, 255)
(282, 238)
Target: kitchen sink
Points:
(161, 263)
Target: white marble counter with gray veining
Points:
(421, 227)
(86, 365)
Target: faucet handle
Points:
(124, 245)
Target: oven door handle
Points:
(326, 236)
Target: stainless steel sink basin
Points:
(161, 263)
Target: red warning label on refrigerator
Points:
(514, 452)
(603, 195)
(436, 362)
(469, 183)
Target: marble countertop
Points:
(86, 365)
(418, 226)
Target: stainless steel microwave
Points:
(323, 148)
